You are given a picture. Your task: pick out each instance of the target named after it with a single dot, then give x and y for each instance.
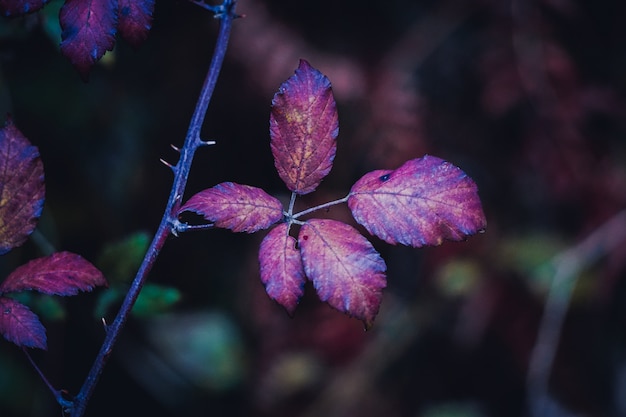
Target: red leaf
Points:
(240, 208)
(62, 273)
(281, 267)
(346, 270)
(20, 325)
(20, 7)
(303, 129)
(88, 31)
(421, 203)
(21, 187)
(135, 20)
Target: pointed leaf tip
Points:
(22, 187)
(346, 270)
(423, 202)
(240, 208)
(88, 31)
(62, 273)
(20, 325)
(303, 129)
(281, 268)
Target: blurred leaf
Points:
(207, 348)
(47, 306)
(453, 410)
(120, 261)
(458, 277)
(152, 300)
(531, 256)
(49, 16)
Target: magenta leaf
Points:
(281, 267)
(303, 129)
(89, 28)
(21, 187)
(346, 270)
(62, 273)
(20, 325)
(10, 8)
(423, 202)
(240, 208)
(135, 20)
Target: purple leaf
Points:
(21, 187)
(346, 270)
(135, 20)
(62, 273)
(10, 8)
(20, 325)
(240, 208)
(88, 31)
(281, 268)
(303, 129)
(421, 203)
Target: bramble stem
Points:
(58, 395)
(170, 218)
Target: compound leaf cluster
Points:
(423, 202)
(21, 200)
(89, 27)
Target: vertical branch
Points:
(169, 223)
(567, 266)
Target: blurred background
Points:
(528, 319)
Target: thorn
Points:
(176, 148)
(167, 164)
(207, 142)
(177, 226)
(105, 325)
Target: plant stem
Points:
(170, 219)
(568, 266)
(321, 206)
(58, 395)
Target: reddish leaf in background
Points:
(88, 31)
(135, 20)
(21, 187)
(240, 208)
(303, 129)
(10, 8)
(423, 202)
(281, 267)
(346, 270)
(62, 273)
(20, 325)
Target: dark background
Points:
(526, 96)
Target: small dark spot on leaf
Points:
(7, 311)
(385, 177)
(305, 237)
